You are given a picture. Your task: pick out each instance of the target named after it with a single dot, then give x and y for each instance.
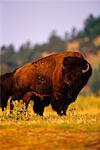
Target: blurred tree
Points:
(25, 46)
(95, 85)
(66, 37)
(56, 43)
(87, 39)
(92, 26)
(2, 50)
(8, 58)
(73, 33)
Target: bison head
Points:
(76, 72)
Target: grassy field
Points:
(79, 130)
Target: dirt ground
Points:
(46, 138)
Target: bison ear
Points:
(70, 63)
(75, 62)
(67, 62)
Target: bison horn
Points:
(84, 71)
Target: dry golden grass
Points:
(79, 130)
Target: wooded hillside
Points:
(87, 41)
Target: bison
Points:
(56, 79)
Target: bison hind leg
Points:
(38, 106)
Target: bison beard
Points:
(56, 79)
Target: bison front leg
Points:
(57, 106)
(59, 112)
(64, 110)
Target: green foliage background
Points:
(11, 59)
